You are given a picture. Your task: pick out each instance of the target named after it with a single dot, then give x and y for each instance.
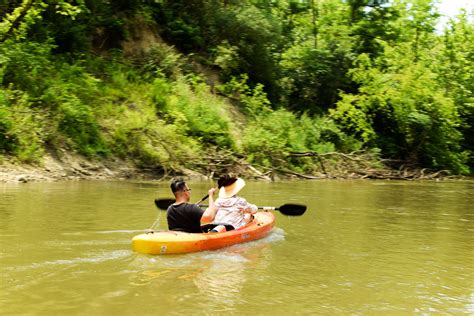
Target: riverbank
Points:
(73, 167)
(52, 169)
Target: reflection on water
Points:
(213, 280)
(221, 281)
(363, 247)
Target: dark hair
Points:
(226, 180)
(178, 185)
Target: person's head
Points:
(180, 189)
(229, 185)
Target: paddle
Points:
(163, 204)
(203, 199)
(286, 209)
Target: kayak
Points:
(173, 242)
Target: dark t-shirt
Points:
(184, 217)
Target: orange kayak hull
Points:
(172, 242)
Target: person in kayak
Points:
(184, 216)
(232, 209)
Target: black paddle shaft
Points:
(286, 209)
(163, 204)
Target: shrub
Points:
(271, 137)
(25, 65)
(22, 131)
(77, 121)
(191, 108)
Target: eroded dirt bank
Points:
(72, 167)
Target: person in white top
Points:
(232, 209)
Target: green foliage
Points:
(17, 22)
(241, 38)
(7, 142)
(375, 71)
(455, 72)
(134, 132)
(163, 60)
(273, 135)
(405, 114)
(314, 67)
(227, 58)
(253, 101)
(312, 77)
(21, 18)
(59, 87)
(77, 121)
(70, 95)
(379, 23)
(24, 65)
(196, 112)
(21, 127)
(161, 90)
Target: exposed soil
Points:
(70, 167)
(74, 167)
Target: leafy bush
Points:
(149, 142)
(191, 108)
(7, 140)
(405, 114)
(70, 96)
(78, 122)
(254, 102)
(21, 128)
(312, 78)
(132, 124)
(271, 137)
(25, 66)
(163, 60)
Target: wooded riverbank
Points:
(299, 89)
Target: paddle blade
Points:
(163, 204)
(292, 209)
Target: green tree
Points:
(455, 69)
(312, 75)
(404, 112)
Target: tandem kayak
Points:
(173, 242)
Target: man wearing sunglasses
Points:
(184, 216)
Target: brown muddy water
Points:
(362, 247)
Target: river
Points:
(362, 247)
